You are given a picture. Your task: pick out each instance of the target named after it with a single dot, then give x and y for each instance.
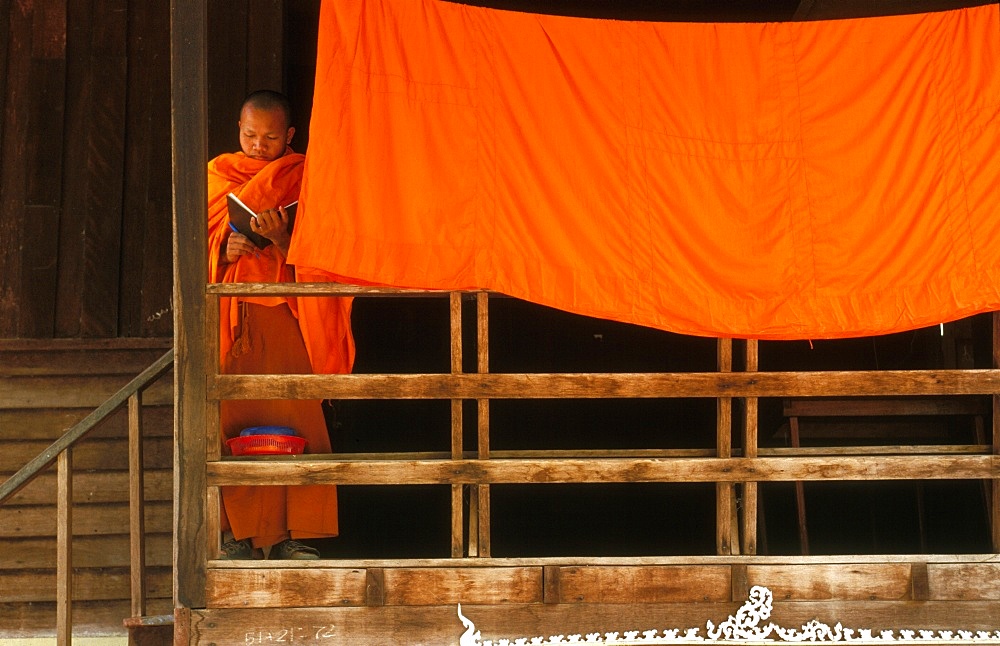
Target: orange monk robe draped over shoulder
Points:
(325, 323)
(779, 180)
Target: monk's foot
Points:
(233, 550)
(293, 551)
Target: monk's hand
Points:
(273, 225)
(238, 245)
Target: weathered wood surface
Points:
(441, 626)
(264, 587)
(89, 551)
(144, 380)
(620, 561)
(649, 584)
(321, 289)
(106, 584)
(27, 357)
(195, 331)
(964, 581)
(253, 44)
(886, 406)
(49, 423)
(849, 467)
(96, 487)
(29, 72)
(599, 597)
(401, 583)
(425, 587)
(74, 391)
(842, 581)
(100, 483)
(145, 310)
(37, 619)
(102, 519)
(71, 204)
(94, 454)
(884, 449)
(557, 386)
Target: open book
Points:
(240, 214)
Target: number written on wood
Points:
(289, 635)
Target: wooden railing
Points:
(736, 471)
(60, 452)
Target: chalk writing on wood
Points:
(290, 635)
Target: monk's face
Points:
(264, 133)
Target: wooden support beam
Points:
(482, 492)
(212, 413)
(725, 491)
(189, 108)
(64, 549)
(457, 493)
(994, 503)
(311, 470)
(750, 450)
(603, 385)
(136, 507)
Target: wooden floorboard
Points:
(441, 625)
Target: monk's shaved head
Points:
(265, 125)
(269, 100)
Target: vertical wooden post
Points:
(750, 445)
(800, 491)
(994, 513)
(64, 548)
(725, 498)
(136, 507)
(457, 525)
(483, 426)
(213, 428)
(189, 146)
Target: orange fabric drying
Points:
(273, 335)
(773, 180)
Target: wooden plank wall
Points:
(86, 175)
(45, 388)
(85, 182)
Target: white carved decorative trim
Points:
(745, 627)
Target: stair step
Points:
(148, 620)
(151, 630)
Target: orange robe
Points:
(789, 180)
(264, 335)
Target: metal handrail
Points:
(61, 451)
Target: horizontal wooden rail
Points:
(604, 385)
(569, 454)
(526, 454)
(348, 564)
(242, 471)
(887, 406)
(322, 289)
(880, 449)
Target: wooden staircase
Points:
(67, 410)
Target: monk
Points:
(264, 334)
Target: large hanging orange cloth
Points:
(779, 180)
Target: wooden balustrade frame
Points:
(736, 472)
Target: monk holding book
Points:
(264, 334)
